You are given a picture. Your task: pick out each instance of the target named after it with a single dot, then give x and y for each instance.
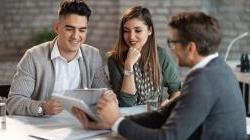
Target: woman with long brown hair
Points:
(138, 68)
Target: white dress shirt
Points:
(67, 74)
(204, 61)
(201, 64)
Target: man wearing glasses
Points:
(210, 106)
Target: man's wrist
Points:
(41, 109)
(116, 124)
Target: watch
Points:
(40, 110)
(128, 72)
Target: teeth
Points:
(132, 42)
(75, 42)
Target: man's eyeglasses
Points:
(170, 42)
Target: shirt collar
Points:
(204, 61)
(56, 54)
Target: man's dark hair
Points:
(78, 7)
(200, 28)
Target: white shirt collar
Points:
(56, 54)
(204, 61)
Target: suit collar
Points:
(204, 61)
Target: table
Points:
(244, 80)
(59, 127)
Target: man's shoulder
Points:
(40, 49)
(211, 72)
(90, 51)
(88, 48)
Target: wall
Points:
(21, 20)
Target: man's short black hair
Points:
(78, 7)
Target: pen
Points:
(36, 137)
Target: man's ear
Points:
(192, 50)
(56, 26)
(191, 47)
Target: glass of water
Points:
(152, 103)
(3, 112)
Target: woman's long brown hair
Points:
(149, 56)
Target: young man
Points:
(210, 106)
(58, 65)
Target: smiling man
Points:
(58, 65)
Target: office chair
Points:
(4, 90)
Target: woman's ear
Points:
(150, 30)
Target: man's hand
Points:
(86, 123)
(172, 98)
(52, 107)
(107, 108)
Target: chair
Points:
(4, 90)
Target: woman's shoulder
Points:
(111, 56)
(163, 52)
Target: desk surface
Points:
(60, 127)
(243, 77)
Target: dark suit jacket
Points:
(210, 108)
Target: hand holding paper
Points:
(107, 104)
(108, 109)
(84, 99)
(52, 107)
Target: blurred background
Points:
(25, 23)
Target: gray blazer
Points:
(210, 108)
(34, 79)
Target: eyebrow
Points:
(69, 26)
(137, 27)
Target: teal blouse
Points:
(169, 73)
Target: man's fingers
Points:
(109, 95)
(80, 115)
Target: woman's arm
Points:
(121, 84)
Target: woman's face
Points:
(136, 33)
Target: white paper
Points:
(84, 99)
(69, 133)
(58, 127)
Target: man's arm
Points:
(100, 79)
(190, 111)
(19, 100)
(154, 119)
(23, 99)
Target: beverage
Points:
(3, 112)
(152, 104)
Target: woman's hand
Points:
(132, 57)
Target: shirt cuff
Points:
(116, 124)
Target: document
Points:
(84, 99)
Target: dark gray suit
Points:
(210, 108)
